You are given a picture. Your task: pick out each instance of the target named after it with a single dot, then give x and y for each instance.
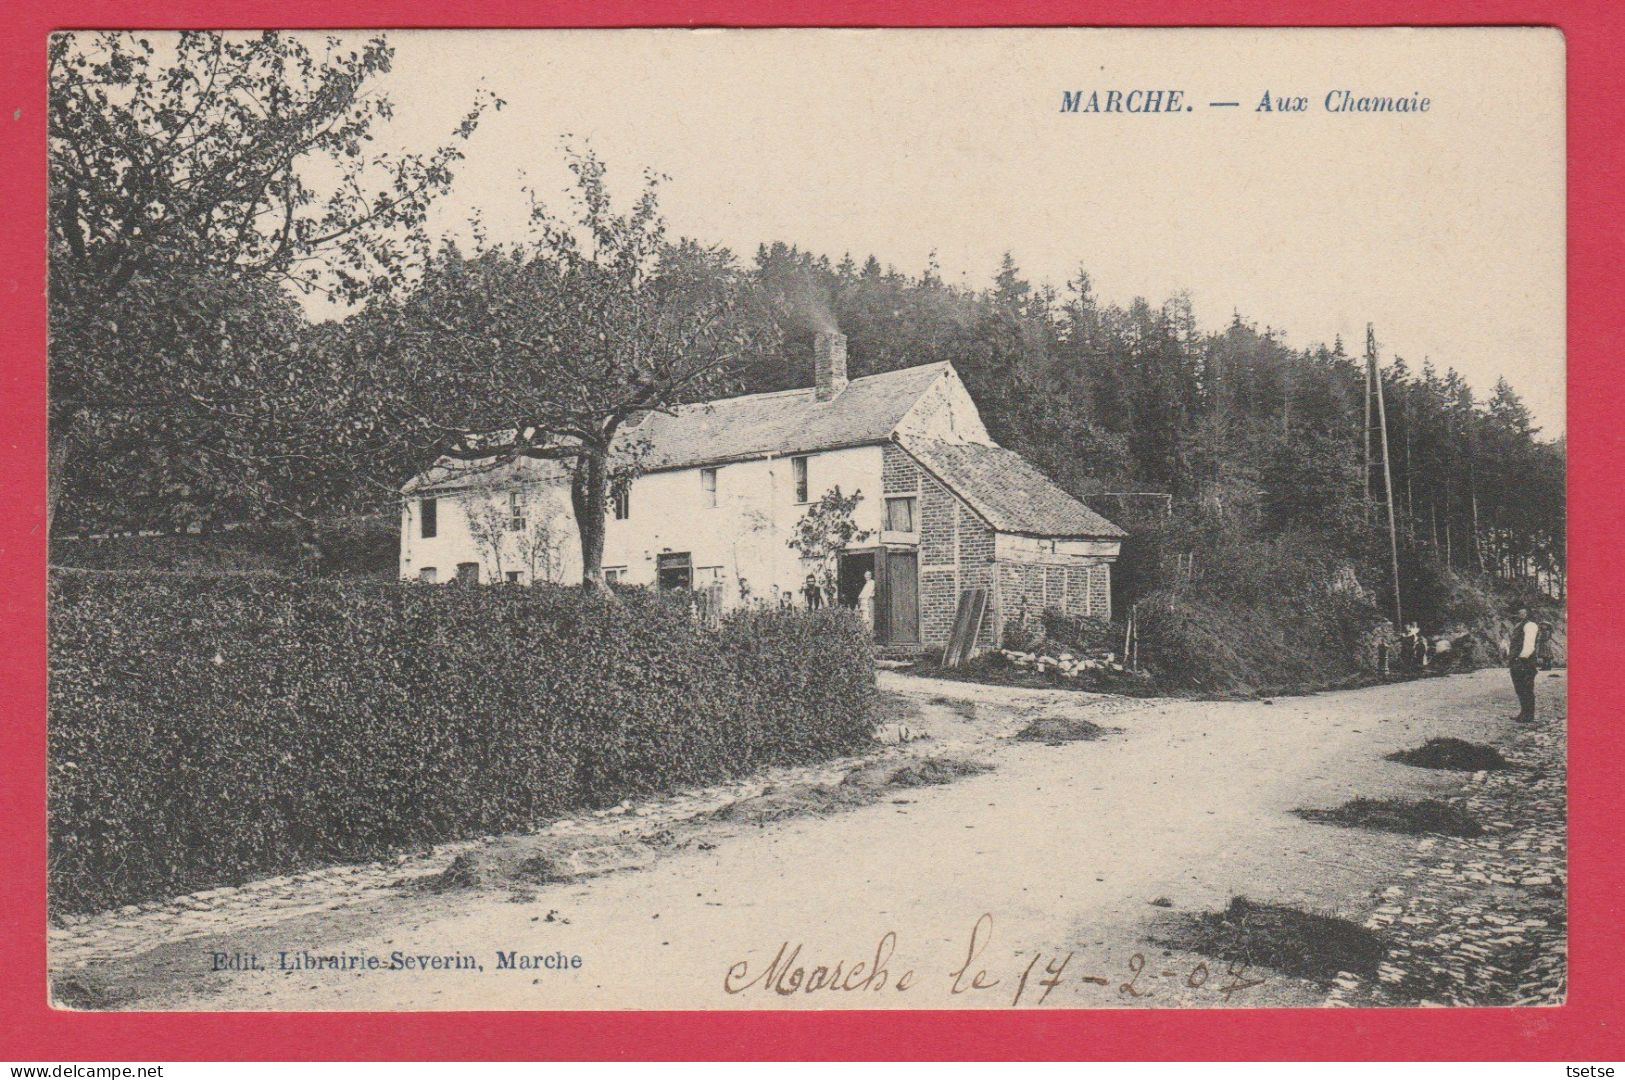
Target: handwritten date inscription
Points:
(787, 974)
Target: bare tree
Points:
(488, 522)
(540, 550)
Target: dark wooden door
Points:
(900, 596)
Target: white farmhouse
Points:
(724, 483)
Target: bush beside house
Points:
(208, 730)
(1242, 614)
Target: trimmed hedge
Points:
(360, 547)
(206, 731)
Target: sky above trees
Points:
(1445, 229)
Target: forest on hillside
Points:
(1111, 401)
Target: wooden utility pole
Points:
(1410, 472)
(1367, 430)
(1375, 379)
(1472, 492)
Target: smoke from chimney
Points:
(808, 305)
(829, 364)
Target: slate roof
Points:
(1011, 494)
(866, 412)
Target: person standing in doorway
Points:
(866, 600)
(1521, 650)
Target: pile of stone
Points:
(1064, 664)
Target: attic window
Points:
(623, 502)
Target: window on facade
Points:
(623, 502)
(708, 486)
(468, 573)
(516, 511)
(427, 575)
(615, 575)
(900, 515)
(428, 518)
(515, 577)
(798, 467)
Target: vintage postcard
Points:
(807, 519)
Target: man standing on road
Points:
(1521, 649)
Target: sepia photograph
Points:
(806, 519)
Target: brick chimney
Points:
(829, 364)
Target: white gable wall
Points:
(947, 412)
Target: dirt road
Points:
(968, 894)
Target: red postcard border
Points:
(1585, 1028)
